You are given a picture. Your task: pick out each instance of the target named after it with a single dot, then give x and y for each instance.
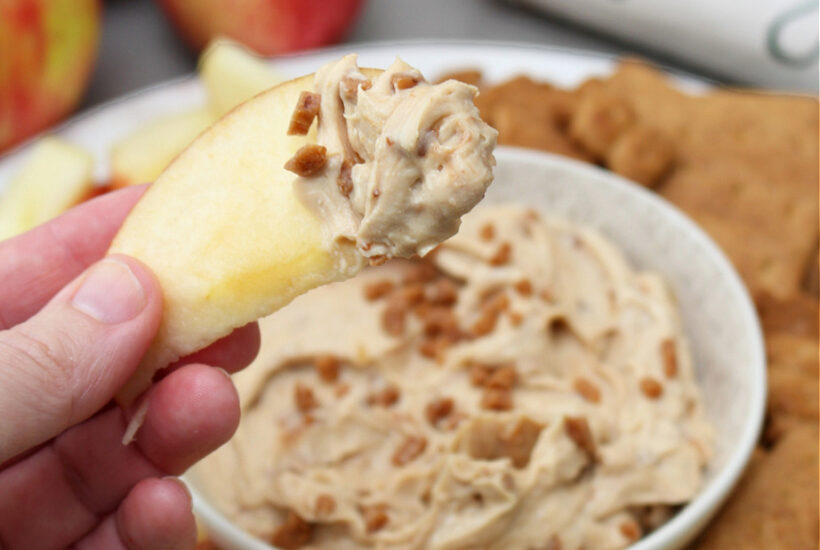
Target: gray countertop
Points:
(138, 46)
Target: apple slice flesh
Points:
(55, 177)
(233, 74)
(142, 156)
(224, 232)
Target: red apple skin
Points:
(267, 26)
(47, 52)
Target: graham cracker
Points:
(775, 506)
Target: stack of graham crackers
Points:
(744, 165)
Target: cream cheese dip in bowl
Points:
(713, 315)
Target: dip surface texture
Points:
(405, 159)
(522, 387)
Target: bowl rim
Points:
(695, 514)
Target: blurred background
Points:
(58, 55)
(139, 47)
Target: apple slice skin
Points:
(225, 234)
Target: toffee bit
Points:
(651, 388)
(412, 294)
(308, 160)
(497, 399)
(485, 324)
(420, 272)
(387, 397)
(325, 505)
(487, 232)
(434, 348)
(411, 448)
(669, 357)
(441, 321)
(345, 179)
(327, 367)
(378, 289)
(630, 529)
(439, 409)
(443, 292)
(524, 287)
(293, 533)
(393, 319)
(502, 378)
(307, 108)
(375, 517)
(497, 303)
(502, 254)
(586, 389)
(577, 428)
(479, 374)
(516, 318)
(519, 440)
(304, 398)
(403, 81)
(489, 316)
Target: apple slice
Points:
(232, 235)
(224, 232)
(142, 156)
(233, 74)
(55, 177)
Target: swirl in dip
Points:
(522, 387)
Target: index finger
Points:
(34, 266)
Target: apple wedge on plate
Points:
(233, 74)
(142, 156)
(230, 237)
(55, 177)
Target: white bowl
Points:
(718, 317)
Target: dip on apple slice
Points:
(233, 234)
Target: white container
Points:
(763, 43)
(718, 316)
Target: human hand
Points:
(70, 336)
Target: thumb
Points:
(65, 363)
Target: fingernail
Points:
(182, 485)
(110, 293)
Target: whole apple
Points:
(47, 52)
(266, 26)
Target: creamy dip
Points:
(405, 158)
(521, 388)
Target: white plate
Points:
(96, 130)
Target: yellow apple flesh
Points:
(55, 177)
(224, 232)
(142, 156)
(233, 74)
